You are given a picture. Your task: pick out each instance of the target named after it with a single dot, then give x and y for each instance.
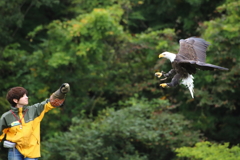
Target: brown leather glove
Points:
(58, 97)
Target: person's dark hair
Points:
(15, 93)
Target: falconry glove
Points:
(58, 97)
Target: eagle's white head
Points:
(168, 55)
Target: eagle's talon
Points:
(158, 74)
(163, 85)
(163, 79)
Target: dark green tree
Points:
(142, 129)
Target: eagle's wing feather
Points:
(193, 49)
(201, 65)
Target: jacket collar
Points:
(16, 110)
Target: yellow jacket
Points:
(25, 135)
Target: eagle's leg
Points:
(170, 73)
(166, 75)
(175, 81)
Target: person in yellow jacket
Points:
(21, 125)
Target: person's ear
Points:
(15, 100)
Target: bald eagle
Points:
(191, 56)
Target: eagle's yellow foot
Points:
(158, 74)
(163, 85)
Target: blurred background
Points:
(107, 50)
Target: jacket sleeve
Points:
(39, 109)
(3, 128)
(44, 106)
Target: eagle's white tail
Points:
(188, 82)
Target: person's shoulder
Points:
(5, 114)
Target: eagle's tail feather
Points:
(188, 82)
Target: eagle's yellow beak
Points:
(161, 55)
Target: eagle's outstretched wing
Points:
(192, 53)
(193, 49)
(200, 65)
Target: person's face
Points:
(22, 101)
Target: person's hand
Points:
(62, 91)
(58, 97)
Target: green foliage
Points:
(129, 17)
(222, 91)
(11, 59)
(81, 40)
(95, 48)
(81, 6)
(185, 15)
(12, 17)
(209, 151)
(142, 129)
